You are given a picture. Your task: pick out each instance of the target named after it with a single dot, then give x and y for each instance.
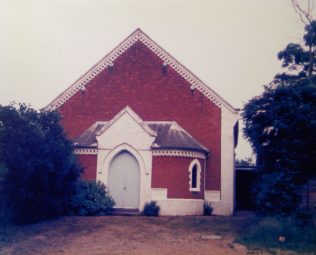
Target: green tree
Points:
(300, 59)
(280, 125)
(41, 167)
(246, 162)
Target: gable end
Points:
(108, 60)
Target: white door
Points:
(123, 181)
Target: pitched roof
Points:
(88, 137)
(139, 35)
(169, 136)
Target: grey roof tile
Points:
(169, 136)
(88, 137)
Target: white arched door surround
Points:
(111, 157)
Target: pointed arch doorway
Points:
(124, 180)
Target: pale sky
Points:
(231, 45)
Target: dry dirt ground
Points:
(125, 235)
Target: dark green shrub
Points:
(207, 209)
(151, 209)
(41, 168)
(303, 217)
(3, 213)
(90, 198)
(276, 194)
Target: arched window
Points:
(195, 175)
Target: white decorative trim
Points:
(86, 151)
(196, 163)
(166, 153)
(179, 153)
(108, 60)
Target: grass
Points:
(286, 233)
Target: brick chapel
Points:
(149, 129)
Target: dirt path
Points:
(118, 235)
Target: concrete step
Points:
(125, 212)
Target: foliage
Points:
(280, 232)
(151, 209)
(280, 125)
(3, 213)
(41, 166)
(300, 59)
(3, 173)
(90, 198)
(276, 193)
(246, 162)
(207, 209)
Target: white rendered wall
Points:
(223, 201)
(177, 207)
(126, 134)
(125, 130)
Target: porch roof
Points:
(170, 136)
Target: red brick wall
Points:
(89, 163)
(173, 173)
(137, 80)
